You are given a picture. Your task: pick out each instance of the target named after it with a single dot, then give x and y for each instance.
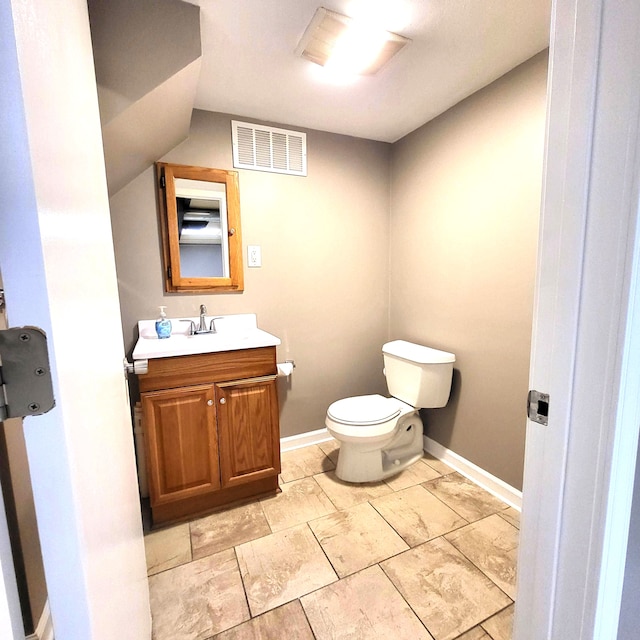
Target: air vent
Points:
(269, 149)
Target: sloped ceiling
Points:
(147, 61)
(156, 60)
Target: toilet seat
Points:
(364, 410)
(365, 418)
(378, 436)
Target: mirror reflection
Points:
(200, 224)
(202, 229)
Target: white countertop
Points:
(233, 332)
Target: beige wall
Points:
(449, 261)
(464, 221)
(323, 287)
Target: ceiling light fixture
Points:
(348, 46)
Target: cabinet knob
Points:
(210, 402)
(222, 400)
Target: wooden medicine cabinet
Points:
(200, 225)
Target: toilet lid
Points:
(364, 410)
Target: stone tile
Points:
(304, 462)
(197, 600)
(299, 502)
(227, 529)
(415, 474)
(356, 538)
(417, 515)
(492, 545)
(464, 497)
(331, 449)
(364, 605)
(167, 548)
(500, 626)
(282, 567)
(441, 467)
(345, 495)
(287, 621)
(477, 633)
(512, 516)
(448, 593)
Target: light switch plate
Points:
(254, 255)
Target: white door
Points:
(56, 258)
(579, 469)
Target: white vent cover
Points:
(268, 149)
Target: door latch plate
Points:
(25, 375)
(538, 407)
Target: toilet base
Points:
(366, 462)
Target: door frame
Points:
(579, 470)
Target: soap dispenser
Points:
(163, 325)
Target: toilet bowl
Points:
(381, 436)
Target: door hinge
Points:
(163, 182)
(25, 375)
(538, 407)
(169, 273)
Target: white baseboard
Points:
(483, 478)
(304, 440)
(44, 630)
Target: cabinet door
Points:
(248, 429)
(181, 442)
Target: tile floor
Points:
(425, 555)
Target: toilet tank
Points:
(418, 375)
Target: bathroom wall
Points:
(323, 287)
(464, 221)
(445, 219)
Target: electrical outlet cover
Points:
(254, 255)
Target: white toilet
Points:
(382, 436)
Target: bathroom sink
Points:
(233, 332)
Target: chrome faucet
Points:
(202, 327)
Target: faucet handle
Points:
(212, 324)
(203, 309)
(192, 326)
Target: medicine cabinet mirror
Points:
(200, 224)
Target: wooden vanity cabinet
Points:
(180, 427)
(249, 445)
(212, 430)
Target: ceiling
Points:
(249, 67)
